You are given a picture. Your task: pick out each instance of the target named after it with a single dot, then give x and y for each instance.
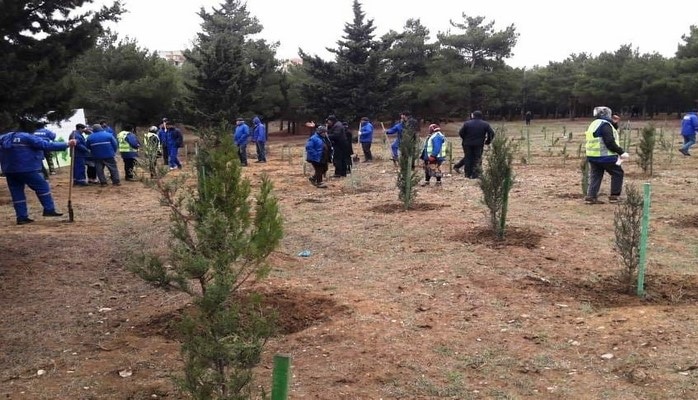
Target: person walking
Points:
(79, 153)
(433, 154)
(128, 147)
(602, 152)
(174, 140)
(475, 134)
(689, 127)
(366, 138)
(529, 116)
(318, 150)
(103, 146)
(241, 136)
(21, 155)
(259, 138)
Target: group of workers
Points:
(94, 148)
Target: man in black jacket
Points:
(340, 145)
(475, 133)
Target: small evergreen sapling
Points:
(219, 245)
(408, 176)
(496, 181)
(627, 221)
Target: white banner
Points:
(63, 129)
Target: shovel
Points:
(71, 216)
(355, 157)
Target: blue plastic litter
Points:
(304, 253)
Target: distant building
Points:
(175, 57)
(285, 64)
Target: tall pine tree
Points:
(229, 66)
(356, 83)
(39, 42)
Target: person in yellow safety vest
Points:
(433, 154)
(602, 152)
(128, 147)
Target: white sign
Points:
(63, 129)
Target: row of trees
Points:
(229, 72)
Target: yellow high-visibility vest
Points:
(430, 145)
(124, 147)
(595, 147)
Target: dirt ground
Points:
(390, 304)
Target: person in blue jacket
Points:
(162, 135)
(433, 154)
(174, 140)
(128, 147)
(240, 137)
(107, 128)
(49, 135)
(103, 147)
(406, 121)
(689, 127)
(79, 153)
(259, 138)
(366, 138)
(318, 152)
(21, 156)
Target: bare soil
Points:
(390, 304)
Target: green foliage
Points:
(233, 74)
(479, 45)
(627, 221)
(39, 43)
(357, 83)
(497, 180)
(124, 83)
(645, 149)
(220, 242)
(408, 176)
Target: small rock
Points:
(125, 373)
(607, 356)
(41, 372)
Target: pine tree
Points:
(122, 82)
(356, 83)
(40, 40)
(408, 175)
(220, 242)
(496, 181)
(229, 66)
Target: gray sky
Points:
(549, 30)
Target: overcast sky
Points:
(549, 30)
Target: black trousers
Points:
(129, 165)
(471, 161)
(366, 148)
